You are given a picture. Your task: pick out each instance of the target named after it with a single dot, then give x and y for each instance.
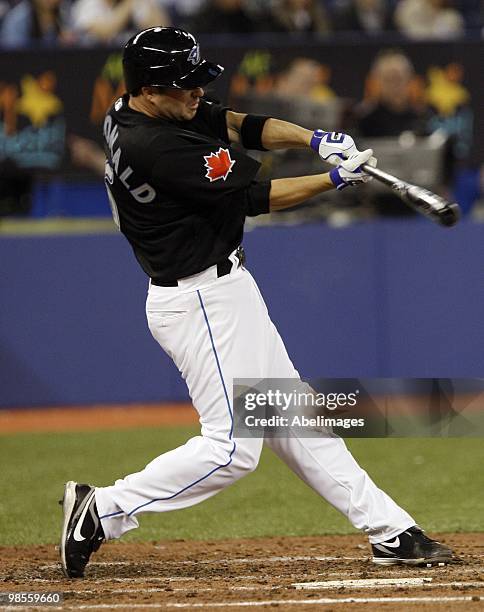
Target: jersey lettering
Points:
(124, 176)
(108, 173)
(143, 193)
(115, 160)
(113, 136)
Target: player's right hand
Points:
(350, 172)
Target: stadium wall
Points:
(379, 299)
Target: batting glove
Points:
(332, 147)
(350, 171)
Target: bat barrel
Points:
(439, 209)
(422, 200)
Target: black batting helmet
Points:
(166, 57)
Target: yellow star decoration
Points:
(444, 93)
(37, 103)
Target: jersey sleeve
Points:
(258, 202)
(207, 174)
(213, 116)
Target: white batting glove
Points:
(332, 147)
(349, 172)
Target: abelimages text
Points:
(301, 421)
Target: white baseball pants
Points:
(217, 330)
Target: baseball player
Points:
(180, 193)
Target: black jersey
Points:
(178, 191)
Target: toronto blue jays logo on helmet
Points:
(194, 55)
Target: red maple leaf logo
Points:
(218, 165)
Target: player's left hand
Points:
(350, 171)
(333, 147)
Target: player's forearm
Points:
(288, 192)
(278, 134)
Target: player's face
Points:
(178, 104)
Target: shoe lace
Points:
(422, 537)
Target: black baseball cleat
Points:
(82, 533)
(412, 547)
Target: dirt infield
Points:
(259, 573)
(91, 418)
(331, 573)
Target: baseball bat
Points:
(425, 202)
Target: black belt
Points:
(223, 268)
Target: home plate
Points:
(369, 583)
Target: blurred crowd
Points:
(93, 22)
(396, 101)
